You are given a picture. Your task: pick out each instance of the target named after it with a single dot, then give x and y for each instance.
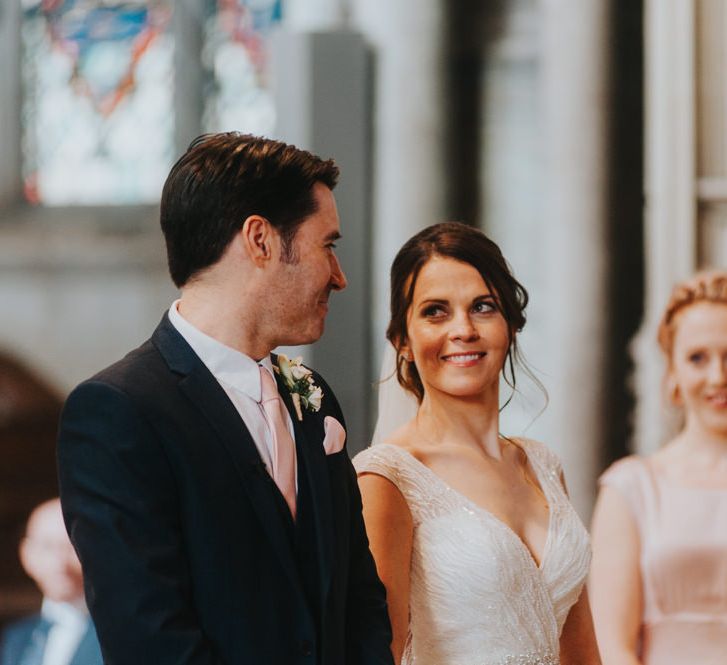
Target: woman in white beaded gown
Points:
(481, 553)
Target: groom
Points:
(204, 481)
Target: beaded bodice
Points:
(477, 596)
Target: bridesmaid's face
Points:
(455, 332)
(699, 364)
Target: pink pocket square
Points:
(335, 436)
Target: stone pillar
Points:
(407, 39)
(511, 187)
(670, 219)
(324, 105)
(315, 15)
(10, 100)
(187, 27)
(574, 131)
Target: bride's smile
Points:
(464, 359)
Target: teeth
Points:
(464, 357)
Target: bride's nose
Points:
(463, 328)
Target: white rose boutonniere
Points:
(298, 379)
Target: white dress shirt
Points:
(68, 626)
(239, 376)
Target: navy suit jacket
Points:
(17, 637)
(184, 547)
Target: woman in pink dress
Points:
(659, 574)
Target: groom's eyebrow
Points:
(333, 235)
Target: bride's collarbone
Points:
(502, 488)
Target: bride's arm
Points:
(578, 639)
(390, 530)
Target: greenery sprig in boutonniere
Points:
(298, 379)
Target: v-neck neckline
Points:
(488, 513)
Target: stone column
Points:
(670, 219)
(314, 15)
(574, 133)
(511, 185)
(323, 101)
(10, 100)
(407, 39)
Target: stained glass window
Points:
(98, 95)
(97, 100)
(236, 58)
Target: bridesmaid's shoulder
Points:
(630, 469)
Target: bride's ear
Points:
(405, 353)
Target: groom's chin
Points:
(301, 337)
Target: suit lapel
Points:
(206, 394)
(316, 468)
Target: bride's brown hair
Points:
(463, 243)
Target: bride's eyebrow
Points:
(434, 301)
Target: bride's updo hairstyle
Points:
(452, 240)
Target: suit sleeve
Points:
(120, 505)
(368, 630)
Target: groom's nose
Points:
(338, 278)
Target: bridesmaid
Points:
(659, 574)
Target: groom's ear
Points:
(258, 239)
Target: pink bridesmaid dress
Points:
(683, 532)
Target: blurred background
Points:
(588, 138)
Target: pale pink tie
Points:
(283, 452)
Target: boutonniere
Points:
(298, 379)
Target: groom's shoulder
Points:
(140, 370)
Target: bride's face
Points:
(456, 335)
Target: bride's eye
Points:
(484, 307)
(431, 311)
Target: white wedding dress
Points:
(477, 595)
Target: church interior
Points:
(588, 139)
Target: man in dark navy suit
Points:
(204, 480)
(62, 633)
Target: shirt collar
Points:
(67, 614)
(229, 366)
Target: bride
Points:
(482, 555)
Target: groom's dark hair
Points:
(220, 181)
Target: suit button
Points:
(306, 648)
